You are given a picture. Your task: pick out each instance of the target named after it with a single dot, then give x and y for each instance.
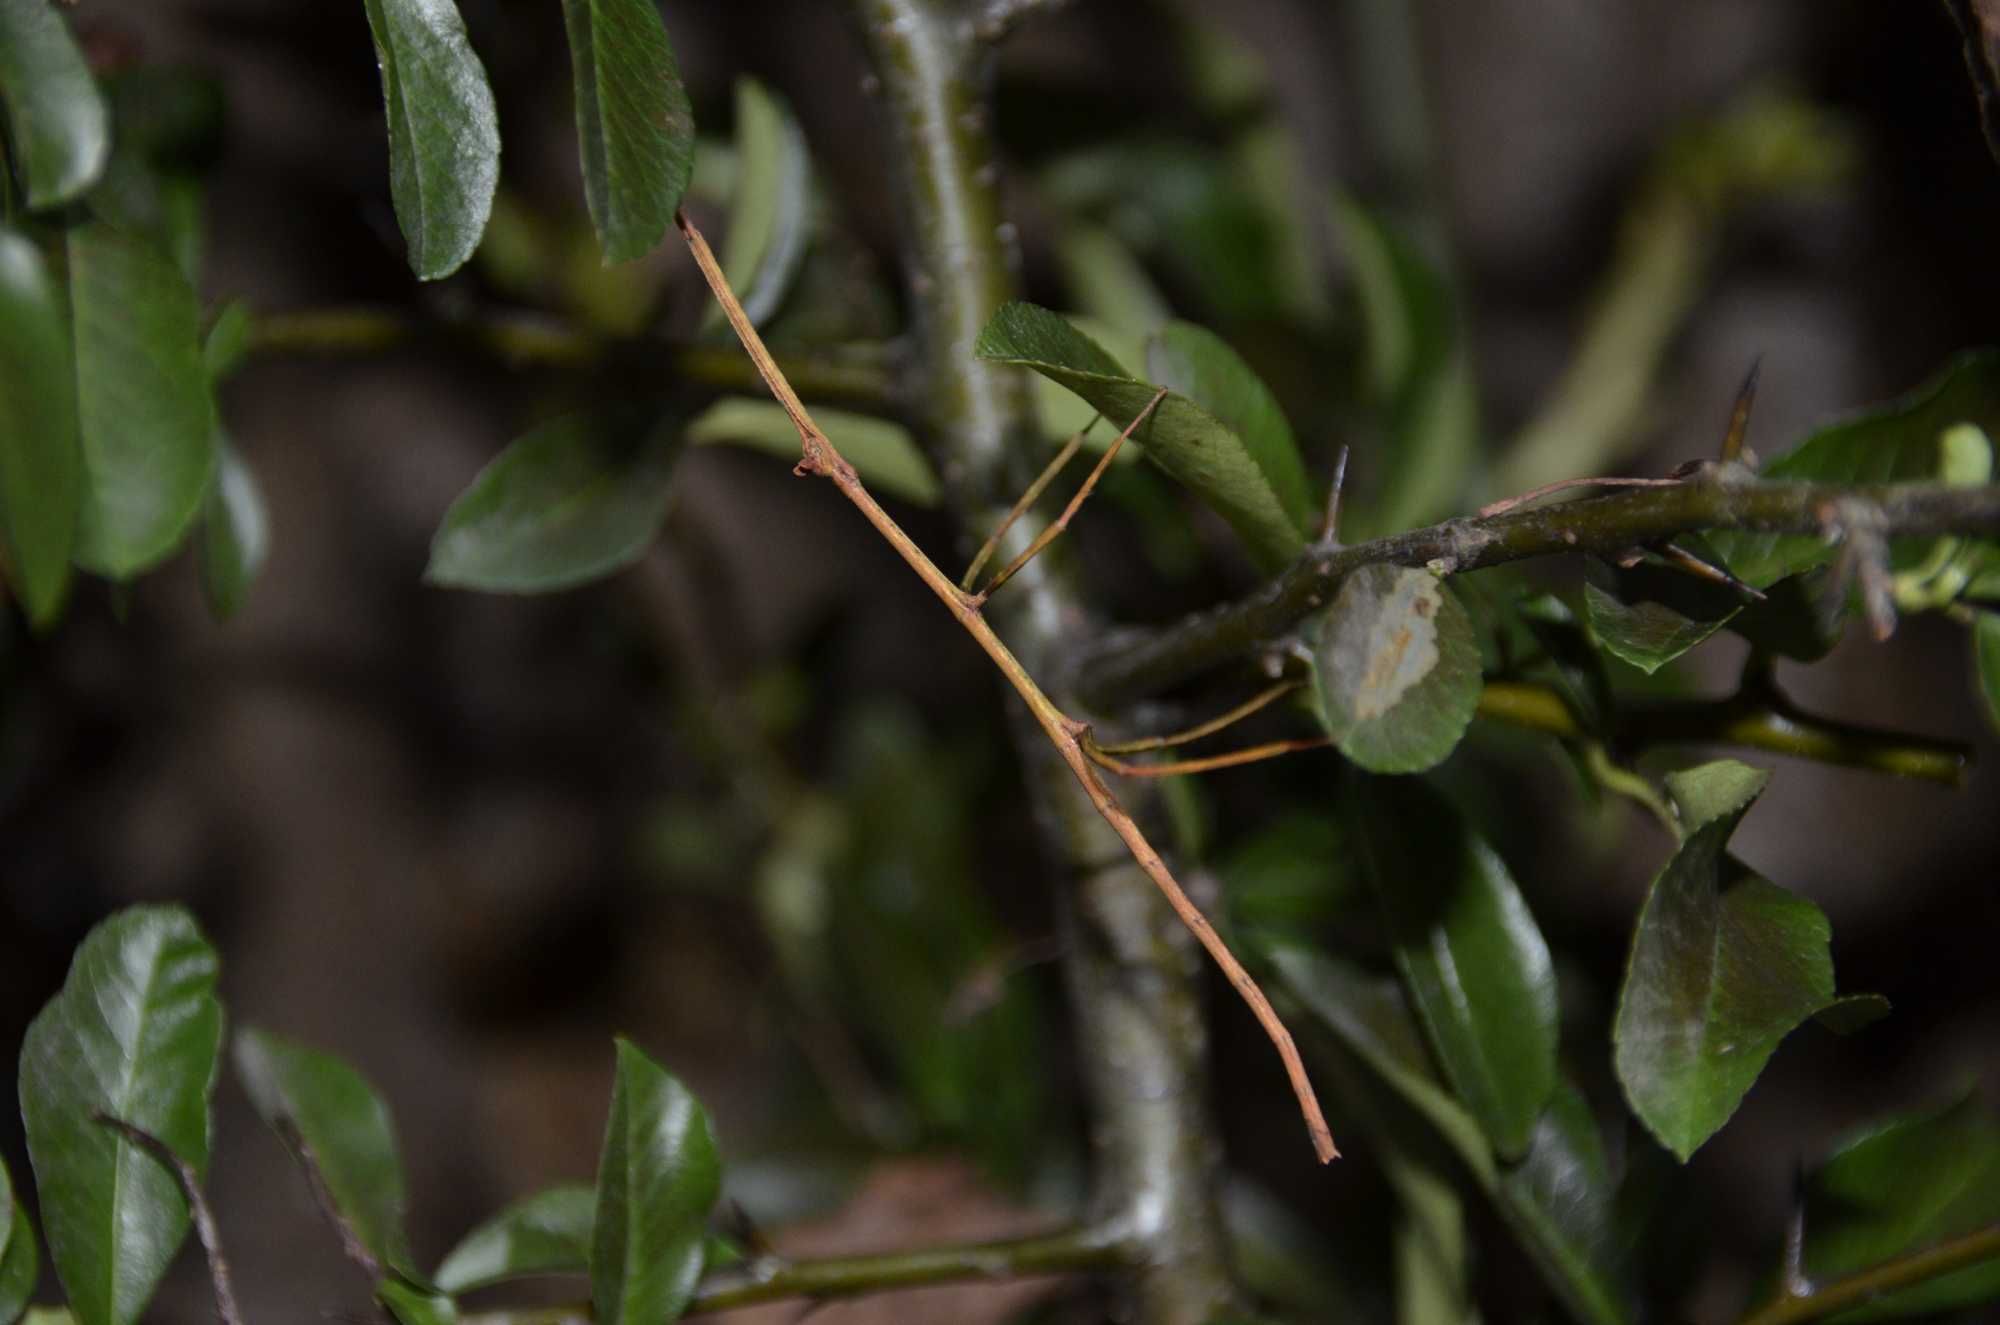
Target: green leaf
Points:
(336, 1122)
(59, 131)
(1652, 614)
(134, 1033)
(235, 533)
(20, 1258)
(1371, 1018)
(770, 215)
(656, 1182)
(414, 1306)
(1200, 365)
(1986, 660)
(1908, 1184)
(634, 126)
(1573, 661)
(1418, 375)
(883, 453)
(1472, 959)
(144, 409)
(1266, 502)
(1563, 1187)
(1898, 442)
(1293, 878)
(547, 1233)
(41, 467)
(1724, 965)
(444, 133)
(572, 501)
(1106, 281)
(228, 341)
(1396, 668)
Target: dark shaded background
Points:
(423, 827)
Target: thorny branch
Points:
(1065, 734)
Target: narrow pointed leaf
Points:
(228, 341)
(58, 128)
(657, 1180)
(1905, 1185)
(1270, 508)
(1476, 966)
(883, 453)
(316, 1101)
(633, 123)
(235, 534)
(1724, 965)
(1563, 1187)
(1418, 375)
(1396, 669)
(444, 133)
(770, 210)
(547, 1233)
(20, 1257)
(411, 1305)
(41, 467)
(134, 1033)
(570, 502)
(1897, 442)
(144, 408)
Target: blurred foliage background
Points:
(751, 802)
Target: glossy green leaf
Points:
(1293, 878)
(20, 1257)
(144, 409)
(1262, 497)
(1476, 966)
(1801, 616)
(1897, 442)
(1371, 1018)
(1201, 366)
(1986, 660)
(135, 1034)
(1562, 1190)
(572, 501)
(770, 213)
(547, 1233)
(1396, 669)
(883, 453)
(657, 1180)
(58, 128)
(1649, 615)
(1724, 965)
(414, 1306)
(1418, 374)
(41, 467)
(1908, 1184)
(634, 127)
(236, 534)
(444, 132)
(329, 1114)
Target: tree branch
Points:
(1866, 1285)
(1133, 664)
(1749, 720)
(1134, 973)
(768, 1279)
(855, 376)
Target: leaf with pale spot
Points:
(1396, 667)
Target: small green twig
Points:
(1822, 1300)
(855, 376)
(773, 1279)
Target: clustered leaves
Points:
(136, 1035)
